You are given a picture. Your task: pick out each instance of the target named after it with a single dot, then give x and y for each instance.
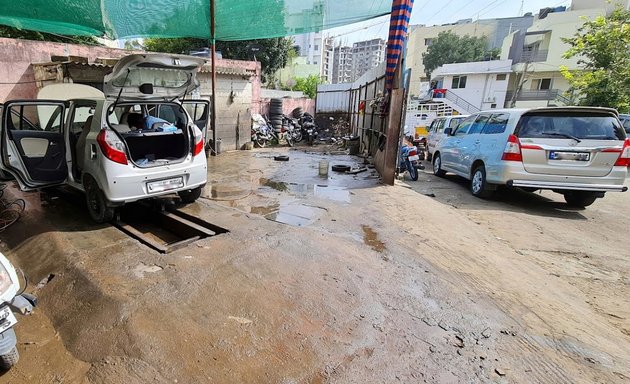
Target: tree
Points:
(307, 85)
(15, 33)
(450, 48)
(273, 54)
(602, 46)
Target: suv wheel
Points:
(478, 183)
(579, 199)
(190, 195)
(97, 204)
(437, 165)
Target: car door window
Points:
(496, 124)
(80, 116)
(440, 126)
(463, 128)
(478, 125)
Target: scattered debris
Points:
(281, 158)
(486, 333)
(356, 170)
(240, 320)
(142, 268)
(442, 325)
(44, 281)
(501, 371)
(459, 341)
(341, 168)
(430, 194)
(429, 321)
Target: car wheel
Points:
(190, 195)
(437, 166)
(478, 183)
(579, 199)
(98, 207)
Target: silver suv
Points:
(436, 131)
(578, 152)
(131, 142)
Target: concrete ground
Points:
(336, 279)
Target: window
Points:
(564, 125)
(459, 82)
(80, 116)
(478, 125)
(316, 47)
(541, 84)
(428, 42)
(35, 118)
(493, 106)
(496, 123)
(501, 76)
(462, 129)
(455, 121)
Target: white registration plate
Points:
(165, 185)
(414, 158)
(7, 319)
(575, 156)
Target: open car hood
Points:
(170, 75)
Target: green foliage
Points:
(15, 33)
(307, 85)
(603, 47)
(273, 55)
(450, 48)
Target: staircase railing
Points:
(460, 102)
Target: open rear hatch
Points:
(153, 75)
(571, 141)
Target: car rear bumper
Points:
(513, 173)
(567, 186)
(130, 186)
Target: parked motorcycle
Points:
(262, 131)
(11, 301)
(294, 131)
(309, 129)
(410, 161)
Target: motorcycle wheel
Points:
(311, 139)
(289, 140)
(413, 172)
(260, 142)
(298, 136)
(9, 359)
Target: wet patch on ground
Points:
(370, 237)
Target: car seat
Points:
(80, 148)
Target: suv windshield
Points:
(573, 125)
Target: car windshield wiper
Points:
(562, 135)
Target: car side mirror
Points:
(146, 88)
(448, 131)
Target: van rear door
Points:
(571, 141)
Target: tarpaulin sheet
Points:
(235, 19)
(398, 25)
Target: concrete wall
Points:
(16, 57)
(289, 104)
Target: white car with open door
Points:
(85, 140)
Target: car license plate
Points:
(575, 156)
(414, 158)
(7, 319)
(165, 185)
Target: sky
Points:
(432, 12)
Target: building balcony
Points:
(533, 56)
(535, 95)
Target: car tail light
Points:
(413, 152)
(198, 148)
(624, 157)
(113, 148)
(512, 151)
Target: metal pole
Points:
(213, 48)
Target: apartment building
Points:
(367, 55)
(310, 46)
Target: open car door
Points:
(31, 143)
(199, 111)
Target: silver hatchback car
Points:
(133, 141)
(580, 152)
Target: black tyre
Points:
(297, 112)
(478, 183)
(311, 139)
(98, 206)
(260, 142)
(289, 140)
(579, 199)
(190, 195)
(437, 166)
(298, 136)
(341, 168)
(413, 172)
(281, 158)
(429, 156)
(9, 359)
(275, 111)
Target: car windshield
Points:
(455, 121)
(573, 125)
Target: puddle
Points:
(296, 215)
(334, 193)
(370, 237)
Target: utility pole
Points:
(520, 11)
(213, 102)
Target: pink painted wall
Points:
(289, 104)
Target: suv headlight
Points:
(5, 280)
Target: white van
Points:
(85, 140)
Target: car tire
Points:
(190, 195)
(341, 168)
(579, 199)
(478, 183)
(437, 166)
(97, 204)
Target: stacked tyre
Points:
(275, 114)
(297, 113)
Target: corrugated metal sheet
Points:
(333, 98)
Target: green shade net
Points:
(235, 20)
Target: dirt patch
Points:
(370, 237)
